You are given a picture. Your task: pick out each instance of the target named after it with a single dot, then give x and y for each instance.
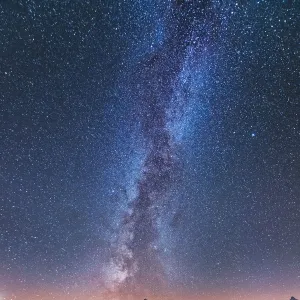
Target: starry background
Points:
(88, 87)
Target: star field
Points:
(149, 149)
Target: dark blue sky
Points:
(149, 145)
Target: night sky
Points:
(149, 149)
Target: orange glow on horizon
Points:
(218, 295)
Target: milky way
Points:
(153, 88)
